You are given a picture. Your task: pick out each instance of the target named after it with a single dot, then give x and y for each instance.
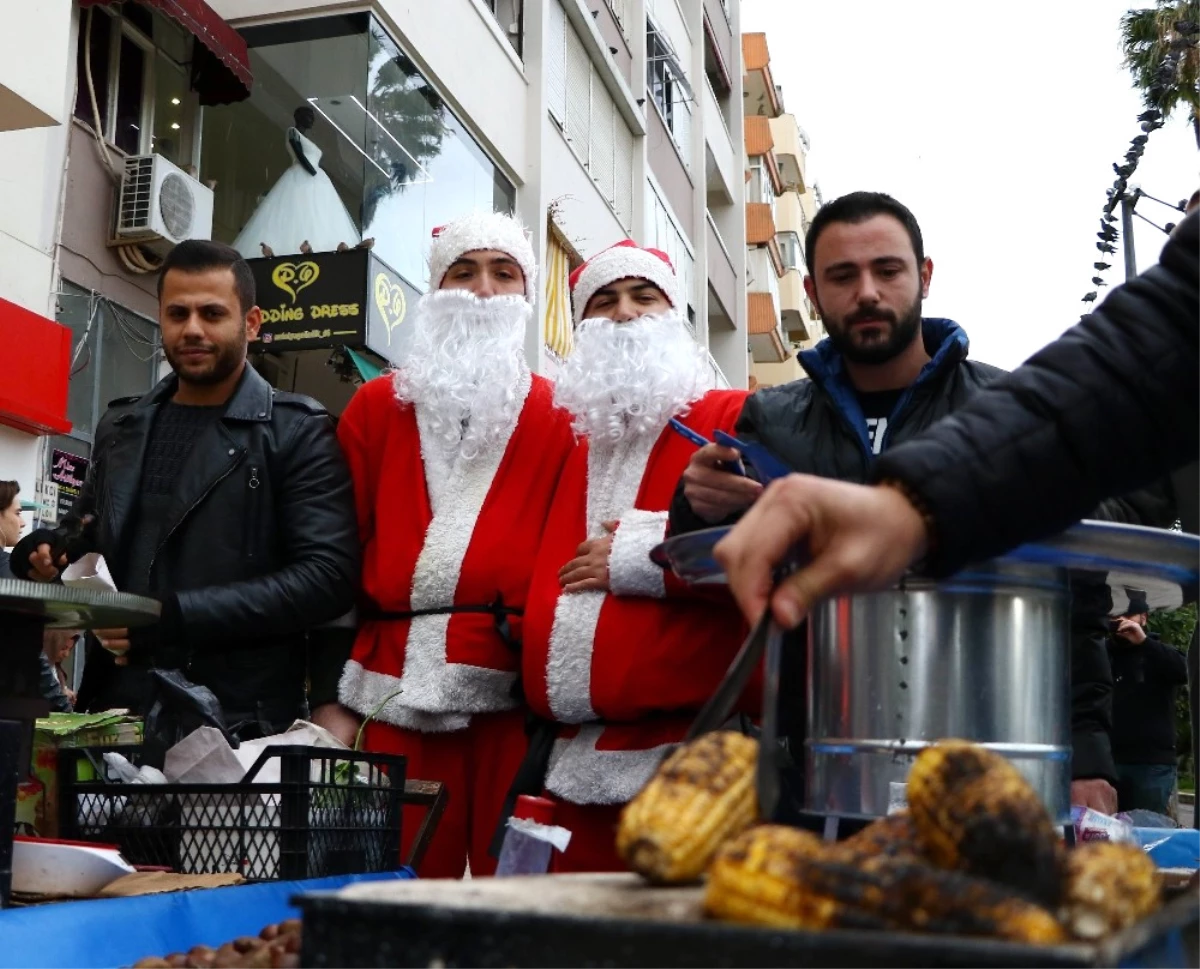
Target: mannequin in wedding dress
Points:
(303, 211)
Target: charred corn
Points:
(702, 796)
(787, 878)
(974, 812)
(1109, 886)
(892, 837)
(758, 879)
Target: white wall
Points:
(19, 462)
(36, 54)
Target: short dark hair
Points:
(201, 255)
(8, 491)
(855, 208)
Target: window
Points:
(761, 188)
(622, 12)
(790, 250)
(508, 14)
(662, 233)
(114, 353)
(399, 159)
(669, 89)
(584, 109)
(139, 73)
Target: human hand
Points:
(858, 538)
(340, 721)
(1131, 631)
(1095, 793)
(42, 567)
(712, 490)
(116, 641)
(589, 568)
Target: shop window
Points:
(139, 73)
(114, 353)
(389, 160)
(508, 14)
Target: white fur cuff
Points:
(630, 571)
(581, 774)
(371, 694)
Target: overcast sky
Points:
(998, 126)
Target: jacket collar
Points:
(252, 400)
(945, 341)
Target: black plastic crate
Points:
(332, 812)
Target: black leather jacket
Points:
(261, 547)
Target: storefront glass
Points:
(379, 155)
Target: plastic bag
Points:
(1093, 826)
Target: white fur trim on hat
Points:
(482, 230)
(622, 262)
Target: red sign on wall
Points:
(37, 351)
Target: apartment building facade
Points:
(781, 201)
(592, 120)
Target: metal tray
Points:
(1163, 564)
(615, 920)
(69, 608)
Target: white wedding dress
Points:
(299, 207)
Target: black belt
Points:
(499, 612)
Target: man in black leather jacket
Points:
(885, 375)
(227, 500)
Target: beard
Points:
(858, 347)
(221, 362)
(463, 368)
(625, 380)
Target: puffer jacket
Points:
(817, 427)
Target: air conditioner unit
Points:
(160, 204)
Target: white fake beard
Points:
(464, 367)
(625, 380)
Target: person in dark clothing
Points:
(885, 375)
(1147, 674)
(227, 500)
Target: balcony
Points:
(761, 96)
(722, 281)
(793, 306)
(789, 150)
(774, 374)
(760, 224)
(762, 327)
(789, 214)
(722, 172)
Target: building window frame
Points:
(791, 249)
(108, 88)
(515, 41)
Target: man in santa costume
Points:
(618, 653)
(454, 457)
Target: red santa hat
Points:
(478, 231)
(625, 260)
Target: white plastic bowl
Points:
(65, 868)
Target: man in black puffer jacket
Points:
(227, 500)
(885, 375)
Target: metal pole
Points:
(1127, 204)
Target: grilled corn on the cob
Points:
(893, 837)
(1109, 886)
(787, 878)
(974, 812)
(702, 795)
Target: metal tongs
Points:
(766, 636)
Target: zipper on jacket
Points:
(253, 484)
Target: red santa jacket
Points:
(477, 548)
(631, 665)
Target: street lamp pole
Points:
(1128, 201)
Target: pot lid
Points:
(1165, 565)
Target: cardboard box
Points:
(60, 730)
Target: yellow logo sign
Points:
(389, 297)
(292, 277)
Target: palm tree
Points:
(1162, 54)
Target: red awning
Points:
(221, 63)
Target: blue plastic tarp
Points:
(110, 932)
(1171, 847)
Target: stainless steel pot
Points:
(983, 656)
